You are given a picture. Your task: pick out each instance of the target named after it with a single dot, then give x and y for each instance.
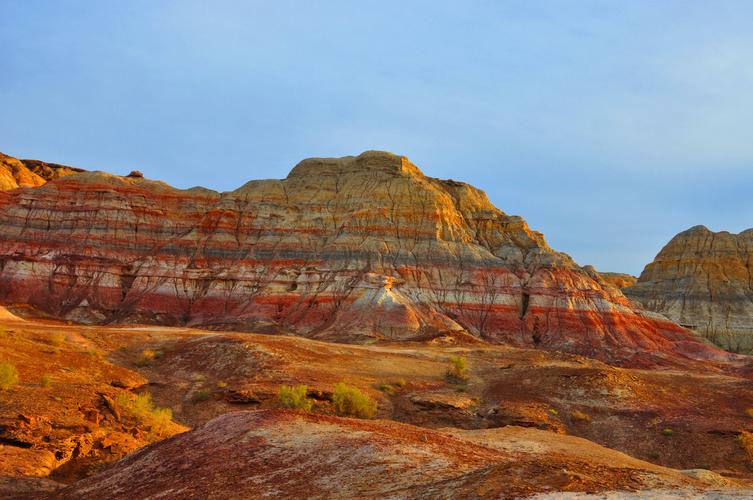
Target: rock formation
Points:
(703, 280)
(30, 173)
(619, 280)
(282, 454)
(346, 249)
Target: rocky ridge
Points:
(346, 249)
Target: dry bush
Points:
(141, 408)
(746, 441)
(57, 339)
(295, 397)
(8, 375)
(580, 416)
(458, 369)
(349, 401)
(148, 356)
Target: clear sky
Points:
(609, 125)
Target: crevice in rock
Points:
(525, 299)
(14, 442)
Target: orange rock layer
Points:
(349, 249)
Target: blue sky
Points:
(609, 125)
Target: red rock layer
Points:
(347, 249)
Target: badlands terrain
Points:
(152, 328)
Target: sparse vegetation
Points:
(57, 339)
(45, 381)
(667, 431)
(553, 411)
(386, 388)
(295, 397)
(201, 395)
(8, 375)
(349, 401)
(400, 382)
(142, 408)
(749, 412)
(746, 441)
(458, 369)
(580, 416)
(148, 356)
(221, 384)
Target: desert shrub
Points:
(667, 431)
(749, 412)
(57, 339)
(349, 401)
(400, 382)
(295, 397)
(553, 411)
(143, 410)
(45, 381)
(201, 395)
(221, 384)
(458, 369)
(8, 375)
(148, 356)
(580, 416)
(386, 388)
(746, 441)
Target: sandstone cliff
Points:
(703, 280)
(346, 249)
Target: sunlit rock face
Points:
(704, 281)
(347, 249)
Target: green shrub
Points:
(201, 395)
(458, 369)
(295, 397)
(45, 380)
(386, 388)
(400, 382)
(349, 401)
(143, 410)
(667, 432)
(8, 375)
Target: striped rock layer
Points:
(349, 249)
(703, 280)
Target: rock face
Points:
(703, 280)
(346, 249)
(291, 455)
(619, 280)
(30, 173)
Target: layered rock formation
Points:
(703, 280)
(282, 454)
(16, 173)
(346, 249)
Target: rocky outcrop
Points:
(619, 280)
(286, 454)
(30, 173)
(703, 280)
(347, 249)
